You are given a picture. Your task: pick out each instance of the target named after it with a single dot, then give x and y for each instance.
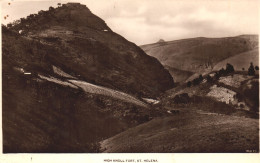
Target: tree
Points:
(221, 72)
(51, 8)
(189, 84)
(16, 22)
(209, 79)
(31, 16)
(251, 70)
(200, 78)
(217, 75)
(22, 20)
(4, 28)
(229, 68)
(256, 68)
(40, 12)
(9, 25)
(195, 81)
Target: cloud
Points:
(171, 20)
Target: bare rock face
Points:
(89, 48)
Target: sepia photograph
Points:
(124, 76)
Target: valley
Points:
(210, 118)
(73, 85)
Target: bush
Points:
(251, 70)
(217, 75)
(189, 84)
(252, 95)
(229, 68)
(221, 72)
(256, 68)
(200, 78)
(181, 98)
(195, 81)
(51, 8)
(209, 79)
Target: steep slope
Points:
(89, 48)
(201, 54)
(70, 82)
(46, 110)
(40, 116)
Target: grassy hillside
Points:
(44, 110)
(42, 116)
(179, 75)
(72, 85)
(200, 54)
(188, 131)
(241, 60)
(217, 116)
(89, 48)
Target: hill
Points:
(187, 133)
(199, 55)
(240, 61)
(217, 116)
(69, 82)
(89, 48)
(179, 75)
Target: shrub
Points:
(229, 68)
(189, 84)
(252, 95)
(217, 75)
(256, 68)
(221, 72)
(51, 8)
(195, 81)
(251, 70)
(181, 98)
(9, 25)
(209, 78)
(200, 78)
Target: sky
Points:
(147, 21)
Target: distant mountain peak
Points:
(161, 40)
